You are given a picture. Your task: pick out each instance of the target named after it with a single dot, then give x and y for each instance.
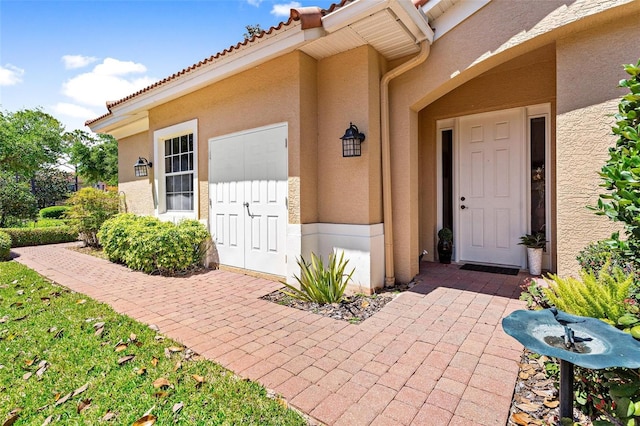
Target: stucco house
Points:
(491, 117)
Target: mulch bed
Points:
(353, 309)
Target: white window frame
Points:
(159, 136)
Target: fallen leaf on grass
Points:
(27, 376)
(63, 399)
(160, 394)
(174, 349)
(84, 404)
(147, 420)
(159, 338)
(177, 366)
(110, 415)
(161, 382)
(80, 389)
(133, 337)
(48, 420)
(521, 419)
(121, 347)
(98, 325)
(45, 300)
(4, 319)
(81, 301)
(198, 379)
(29, 362)
(21, 318)
(20, 292)
(99, 332)
(13, 416)
(15, 304)
(141, 371)
(59, 334)
(282, 402)
(167, 353)
(154, 361)
(125, 359)
(42, 367)
(177, 407)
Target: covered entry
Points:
(493, 182)
(248, 198)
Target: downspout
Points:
(387, 205)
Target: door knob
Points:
(462, 198)
(463, 207)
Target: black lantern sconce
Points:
(351, 142)
(140, 167)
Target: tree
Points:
(50, 185)
(252, 30)
(29, 139)
(96, 156)
(16, 200)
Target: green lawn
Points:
(67, 359)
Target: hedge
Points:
(21, 237)
(5, 246)
(146, 244)
(53, 212)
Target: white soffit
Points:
(444, 15)
(382, 30)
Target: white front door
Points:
(490, 193)
(248, 193)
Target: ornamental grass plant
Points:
(319, 283)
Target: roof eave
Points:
(230, 64)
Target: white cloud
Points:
(10, 75)
(108, 81)
(77, 61)
(284, 9)
(72, 110)
(255, 3)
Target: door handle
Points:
(248, 211)
(462, 198)
(463, 207)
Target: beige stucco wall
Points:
(279, 91)
(137, 191)
(349, 189)
(525, 80)
(497, 33)
(589, 69)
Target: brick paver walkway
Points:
(436, 355)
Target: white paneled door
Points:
(248, 198)
(490, 195)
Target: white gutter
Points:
(387, 198)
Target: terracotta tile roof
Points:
(309, 17)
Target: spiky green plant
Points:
(318, 283)
(594, 296)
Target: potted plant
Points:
(535, 244)
(445, 245)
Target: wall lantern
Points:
(351, 142)
(141, 167)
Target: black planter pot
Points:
(445, 248)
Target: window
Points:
(176, 177)
(178, 167)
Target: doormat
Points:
(490, 269)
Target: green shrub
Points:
(21, 237)
(600, 297)
(319, 284)
(5, 246)
(89, 209)
(113, 235)
(48, 223)
(53, 212)
(593, 258)
(149, 245)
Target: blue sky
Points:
(69, 57)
